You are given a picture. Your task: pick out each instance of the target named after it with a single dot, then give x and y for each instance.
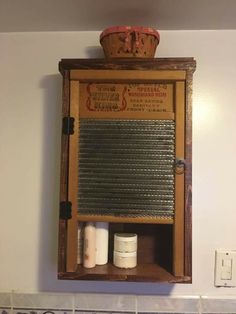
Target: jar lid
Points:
(127, 237)
(129, 29)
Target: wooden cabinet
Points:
(126, 159)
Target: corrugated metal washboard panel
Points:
(126, 167)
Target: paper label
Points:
(125, 99)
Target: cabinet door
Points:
(126, 156)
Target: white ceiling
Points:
(81, 15)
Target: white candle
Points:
(89, 256)
(102, 235)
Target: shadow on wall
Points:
(48, 242)
(94, 52)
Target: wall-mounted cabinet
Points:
(126, 160)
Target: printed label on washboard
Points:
(124, 101)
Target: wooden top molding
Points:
(188, 64)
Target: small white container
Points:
(125, 242)
(125, 260)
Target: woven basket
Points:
(127, 41)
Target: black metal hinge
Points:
(65, 210)
(68, 125)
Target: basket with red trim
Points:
(129, 41)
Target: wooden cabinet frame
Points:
(179, 71)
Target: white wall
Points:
(30, 99)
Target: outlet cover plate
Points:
(225, 268)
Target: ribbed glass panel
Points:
(126, 167)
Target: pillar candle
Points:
(89, 256)
(102, 234)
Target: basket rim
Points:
(125, 28)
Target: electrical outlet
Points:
(225, 268)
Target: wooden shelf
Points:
(143, 272)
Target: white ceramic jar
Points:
(125, 260)
(125, 242)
